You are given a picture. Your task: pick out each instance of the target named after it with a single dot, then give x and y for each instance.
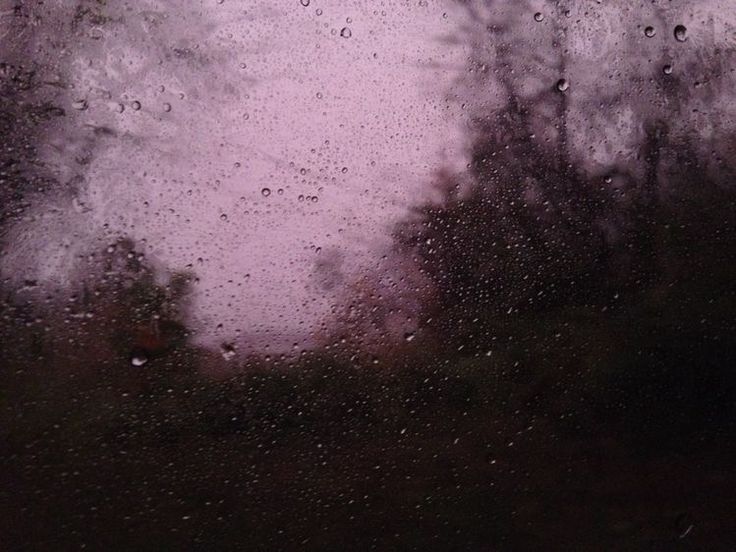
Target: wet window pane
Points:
(396, 275)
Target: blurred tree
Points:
(582, 164)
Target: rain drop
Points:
(680, 33)
(649, 32)
(138, 359)
(304, 3)
(265, 192)
(562, 85)
(667, 69)
(345, 32)
(227, 351)
(539, 16)
(136, 105)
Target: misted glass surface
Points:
(387, 275)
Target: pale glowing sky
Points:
(237, 97)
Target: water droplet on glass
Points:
(304, 3)
(265, 192)
(539, 16)
(138, 359)
(667, 69)
(223, 217)
(684, 524)
(649, 32)
(680, 33)
(345, 32)
(80, 105)
(167, 107)
(318, 12)
(562, 85)
(136, 105)
(227, 351)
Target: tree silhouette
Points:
(543, 222)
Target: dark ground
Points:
(584, 430)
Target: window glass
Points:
(381, 275)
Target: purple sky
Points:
(236, 98)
